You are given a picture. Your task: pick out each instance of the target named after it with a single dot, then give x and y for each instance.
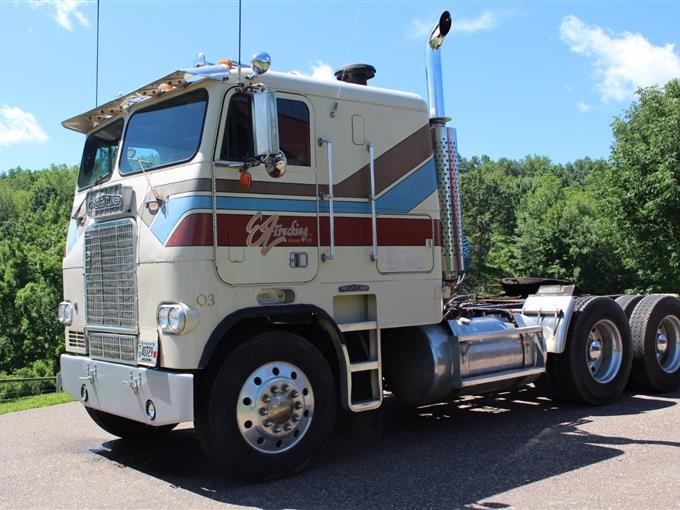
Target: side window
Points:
(294, 131)
(294, 134)
(238, 133)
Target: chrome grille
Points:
(107, 346)
(110, 279)
(76, 340)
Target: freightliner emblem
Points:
(104, 202)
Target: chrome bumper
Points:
(124, 390)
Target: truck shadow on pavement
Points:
(441, 456)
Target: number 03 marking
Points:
(205, 300)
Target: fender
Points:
(294, 314)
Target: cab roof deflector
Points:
(87, 121)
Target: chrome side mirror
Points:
(265, 122)
(276, 165)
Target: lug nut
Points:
(266, 399)
(295, 418)
(277, 428)
(287, 427)
(298, 405)
(275, 389)
(294, 394)
(268, 423)
(264, 411)
(284, 388)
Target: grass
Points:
(21, 404)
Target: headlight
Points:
(176, 318)
(65, 313)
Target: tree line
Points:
(611, 226)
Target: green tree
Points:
(34, 212)
(643, 188)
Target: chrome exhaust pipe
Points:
(444, 145)
(433, 70)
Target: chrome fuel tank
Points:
(427, 364)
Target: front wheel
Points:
(270, 407)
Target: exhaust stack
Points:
(446, 157)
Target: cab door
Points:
(267, 232)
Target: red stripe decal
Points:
(274, 230)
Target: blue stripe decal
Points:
(404, 197)
(173, 210)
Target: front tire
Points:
(655, 324)
(270, 407)
(126, 428)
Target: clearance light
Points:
(176, 318)
(228, 62)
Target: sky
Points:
(520, 78)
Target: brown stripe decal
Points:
(389, 166)
(196, 230)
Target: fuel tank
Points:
(432, 363)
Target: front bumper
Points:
(124, 390)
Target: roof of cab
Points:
(290, 82)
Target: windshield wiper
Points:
(101, 178)
(159, 199)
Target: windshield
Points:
(166, 133)
(99, 155)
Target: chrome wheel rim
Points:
(604, 351)
(275, 407)
(668, 344)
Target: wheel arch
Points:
(304, 319)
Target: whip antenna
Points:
(239, 41)
(96, 71)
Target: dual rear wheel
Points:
(598, 356)
(611, 342)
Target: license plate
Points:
(147, 353)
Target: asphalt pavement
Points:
(513, 449)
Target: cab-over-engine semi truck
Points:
(249, 250)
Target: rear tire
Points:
(126, 428)
(597, 359)
(628, 302)
(655, 324)
(270, 407)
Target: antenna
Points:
(239, 41)
(96, 72)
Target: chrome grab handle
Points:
(329, 195)
(374, 228)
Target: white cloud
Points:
(18, 126)
(583, 107)
(486, 21)
(622, 62)
(320, 71)
(489, 19)
(64, 12)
